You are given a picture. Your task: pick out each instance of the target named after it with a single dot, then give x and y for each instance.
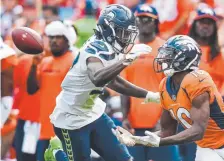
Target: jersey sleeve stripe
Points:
(216, 114)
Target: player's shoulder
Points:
(100, 49)
(94, 46)
(100, 45)
(197, 78)
(197, 75)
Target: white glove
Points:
(128, 139)
(151, 139)
(125, 137)
(152, 97)
(136, 51)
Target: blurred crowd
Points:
(64, 26)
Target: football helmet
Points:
(179, 53)
(117, 26)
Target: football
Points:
(27, 40)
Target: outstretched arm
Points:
(122, 86)
(199, 115)
(101, 76)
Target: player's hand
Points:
(151, 139)
(136, 51)
(37, 59)
(152, 97)
(124, 136)
(126, 124)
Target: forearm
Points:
(165, 133)
(126, 88)
(125, 104)
(32, 82)
(106, 74)
(186, 136)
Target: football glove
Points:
(136, 51)
(152, 97)
(125, 137)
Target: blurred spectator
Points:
(49, 74)
(7, 136)
(8, 62)
(211, 3)
(50, 13)
(220, 15)
(59, 3)
(86, 24)
(173, 16)
(139, 117)
(204, 30)
(132, 4)
(29, 109)
(115, 113)
(10, 11)
(7, 124)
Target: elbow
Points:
(199, 134)
(32, 88)
(32, 91)
(98, 83)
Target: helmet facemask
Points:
(121, 39)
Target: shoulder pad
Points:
(90, 50)
(108, 57)
(99, 45)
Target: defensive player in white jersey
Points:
(78, 118)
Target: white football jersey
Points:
(78, 103)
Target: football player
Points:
(189, 97)
(78, 118)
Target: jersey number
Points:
(180, 112)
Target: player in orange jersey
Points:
(188, 96)
(139, 117)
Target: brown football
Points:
(27, 40)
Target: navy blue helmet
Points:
(179, 53)
(117, 26)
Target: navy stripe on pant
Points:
(98, 136)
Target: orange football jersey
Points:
(179, 105)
